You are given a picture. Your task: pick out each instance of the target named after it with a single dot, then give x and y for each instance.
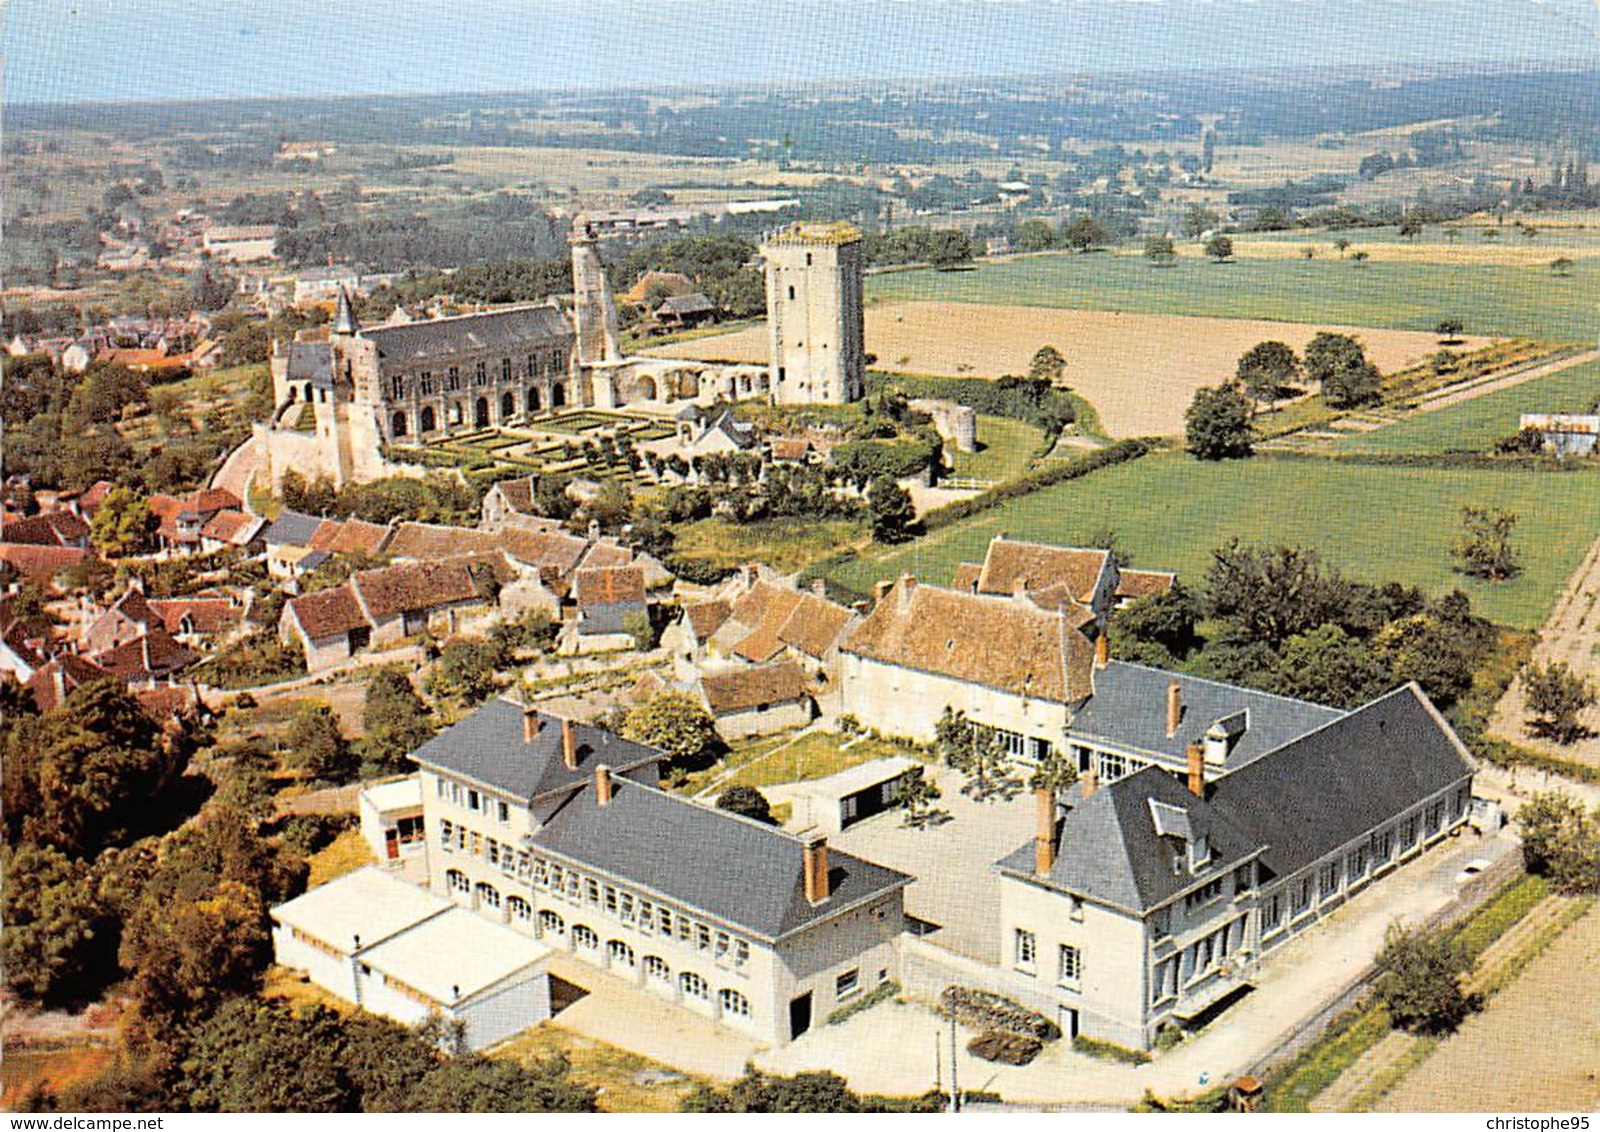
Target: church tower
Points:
(596, 314)
(814, 313)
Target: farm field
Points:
(1139, 371)
(1475, 425)
(1494, 301)
(1375, 523)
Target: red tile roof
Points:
(741, 689)
(327, 613)
(1144, 583)
(40, 564)
(706, 617)
(358, 536)
(130, 662)
(610, 585)
(52, 528)
(207, 615)
(74, 670)
(814, 626)
(417, 586)
(1036, 566)
(228, 525)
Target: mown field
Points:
(1376, 523)
(1493, 300)
(1477, 424)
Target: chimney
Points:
(819, 587)
(1102, 648)
(1044, 835)
(58, 678)
(1089, 783)
(569, 745)
(1174, 708)
(1019, 590)
(532, 724)
(1197, 769)
(815, 857)
(602, 785)
(908, 586)
(880, 590)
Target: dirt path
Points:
(1572, 634)
(1444, 399)
(239, 469)
(1536, 1048)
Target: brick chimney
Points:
(1044, 834)
(1088, 783)
(1102, 648)
(908, 586)
(569, 744)
(602, 785)
(814, 853)
(1197, 769)
(1174, 708)
(532, 724)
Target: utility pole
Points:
(955, 1087)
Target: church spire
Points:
(344, 318)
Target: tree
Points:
(1449, 330)
(1167, 620)
(1484, 549)
(1419, 980)
(1561, 841)
(1056, 771)
(59, 944)
(1360, 257)
(394, 720)
(1437, 655)
(1342, 244)
(1410, 227)
(1198, 220)
(1085, 232)
(974, 750)
(1270, 595)
(123, 523)
(892, 511)
(918, 793)
(1338, 363)
(1326, 665)
(1160, 250)
(464, 673)
(1267, 369)
(1035, 235)
(318, 748)
(1217, 424)
(1219, 248)
(749, 801)
(1047, 365)
(676, 723)
(1561, 266)
(818, 1091)
(1556, 696)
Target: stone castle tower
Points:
(814, 313)
(593, 310)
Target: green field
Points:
(1376, 524)
(1005, 449)
(1492, 300)
(1475, 425)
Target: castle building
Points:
(814, 313)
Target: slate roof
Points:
(1013, 646)
(741, 689)
(1294, 806)
(681, 305)
(313, 362)
(507, 330)
(488, 747)
(1129, 710)
(1036, 566)
(291, 528)
(743, 873)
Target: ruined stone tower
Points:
(814, 313)
(595, 313)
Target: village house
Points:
(56, 529)
(560, 831)
(743, 701)
(391, 818)
(609, 600)
(1086, 576)
(182, 521)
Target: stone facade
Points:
(814, 314)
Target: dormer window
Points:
(1199, 853)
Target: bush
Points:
(1108, 1051)
(883, 992)
(305, 834)
(1005, 1048)
(1057, 472)
(984, 1010)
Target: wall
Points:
(778, 717)
(812, 960)
(903, 701)
(332, 973)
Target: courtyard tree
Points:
(394, 720)
(122, 524)
(748, 802)
(892, 511)
(918, 793)
(1484, 548)
(1217, 424)
(464, 673)
(1419, 980)
(317, 746)
(1219, 248)
(1556, 696)
(1267, 369)
(973, 749)
(1166, 622)
(674, 722)
(1055, 770)
(1338, 363)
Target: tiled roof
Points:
(603, 553)
(130, 661)
(17, 639)
(328, 613)
(325, 535)
(609, 585)
(1012, 646)
(75, 671)
(695, 303)
(814, 625)
(230, 525)
(358, 536)
(1036, 566)
(417, 586)
(508, 330)
(424, 541)
(40, 564)
(210, 500)
(1143, 583)
(706, 617)
(740, 689)
(518, 493)
(966, 577)
(291, 528)
(52, 528)
(207, 615)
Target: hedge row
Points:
(1030, 482)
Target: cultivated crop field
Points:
(1375, 523)
(1139, 371)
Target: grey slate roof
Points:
(506, 330)
(736, 870)
(1295, 805)
(487, 747)
(602, 620)
(291, 528)
(1129, 710)
(313, 362)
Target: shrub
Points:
(1168, 1037)
(305, 834)
(883, 992)
(985, 1010)
(1108, 1051)
(1005, 1048)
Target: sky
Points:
(72, 50)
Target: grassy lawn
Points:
(783, 544)
(1377, 524)
(1475, 425)
(626, 1081)
(816, 755)
(1492, 300)
(1005, 449)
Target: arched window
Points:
(508, 405)
(694, 986)
(519, 909)
(584, 937)
(480, 413)
(558, 395)
(398, 425)
(733, 1003)
(533, 400)
(457, 881)
(430, 420)
(619, 953)
(551, 924)
(488, 895)
(656, 968)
